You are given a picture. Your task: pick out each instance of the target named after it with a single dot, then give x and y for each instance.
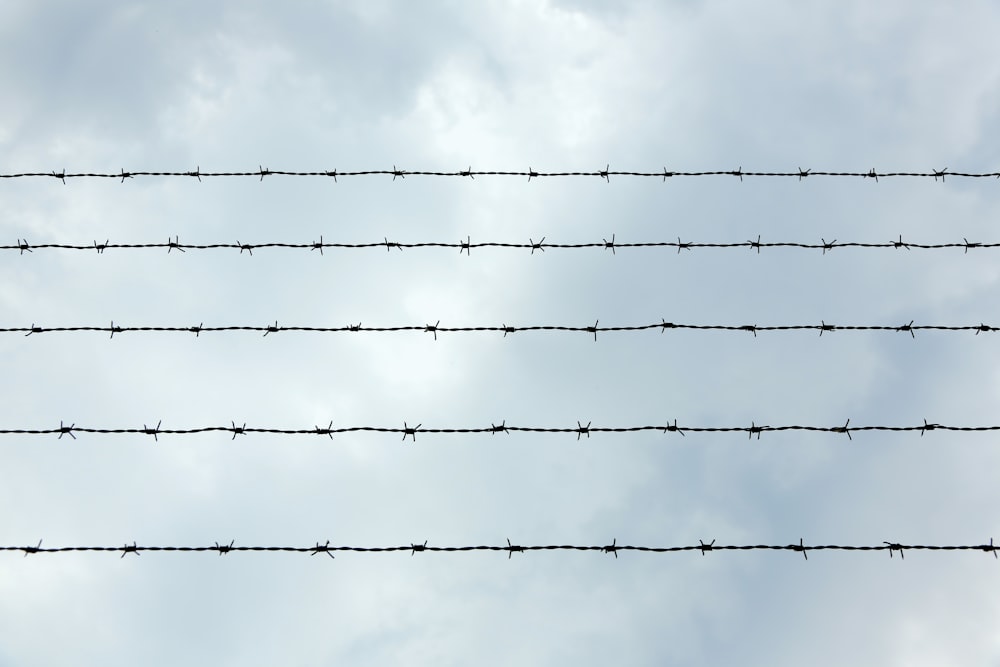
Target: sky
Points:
(547, 85)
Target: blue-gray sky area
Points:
(684, 86)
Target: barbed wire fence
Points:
(611, 549)
(408, 431)
(605, 174)
(23, 246)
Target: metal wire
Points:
(604, 174)
(436, 328)
(408, 431)
(22, 245)
(510, 548)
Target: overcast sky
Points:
(686, 86)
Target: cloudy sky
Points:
(686, 86)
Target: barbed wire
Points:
(604, 174)
(436, 328)
(411, 432)
(510, 548)
(22, 245)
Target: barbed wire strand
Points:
(411, 432)
(422, 547)
(22, 246)
(436, 328)
(603, 174)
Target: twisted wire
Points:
(411, 432)
(422, 547)
(22, 246)
(604, 174)
(435, 329)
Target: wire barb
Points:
(755, 244)
(803, 174)
(272, 329)
(502, 428)
(23, 246)
(593, 329)
(828, 246)
(326, 431)
(843, 429)
(611, 548)
(196, 330)
(414, 548)
(511, 548)
(465, 246)
(66, 430)
(800, 547)
(175, 244)
(970, 245)
(397, 172)
(928, 427)
(755, 429)
(705, 547)
(125, 175)
(100, 248)
(196, 173)
(674, 428)
(391, 244)
(318, 246)
(823, 326)
(940, 173)
(245, 246)
(872, 174)
(895, 546)
(263, 172)
(412, 432)
(537, 246)
(153, 431)
(428, 328)
(987, 548)
(36, 549)
(467, 172)
(133, 549)
(582, 430)
(899, 244)
(238, 430)
(224, 548)
(907, 327)
(604, 173)
(324, 549)
(610, 245)
(684, 246)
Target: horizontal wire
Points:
(411, 431)
(604, 174)
(613, 548)
(23, 246)
(435, 329)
